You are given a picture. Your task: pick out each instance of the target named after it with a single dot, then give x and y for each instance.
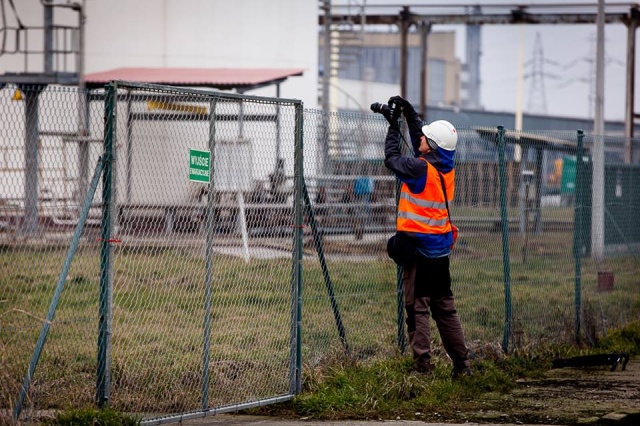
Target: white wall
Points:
(169, 33)
(192, 33)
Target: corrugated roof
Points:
(549, 143)
(221, 78)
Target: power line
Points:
(589, 77)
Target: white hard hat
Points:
(442, 133)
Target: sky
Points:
(569, 60)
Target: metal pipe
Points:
(83, 145)
(298, 243)
(83, 101)
(404, 30)
(317, 241)
(323, 146)
(492, 5)
(129, 148)
(425, 29)
(632, 26)
(538, 176)
(326, 57)
(577, 234)
(227, 409)
(278, 131)
(3, 33)
(505, 239)
(473, 48)
(103, 375)
(31, 95)
(210, 228)
(82, 20)
(597, 207)
(48, 37)
(505, 18)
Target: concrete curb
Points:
(630, 418)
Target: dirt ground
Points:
(569, 396)
(565, 396)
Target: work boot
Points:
(423, 367)
(462, 371)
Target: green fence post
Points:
(103, 379)
(577, 232)
(298, 208)
(208, 261)
(505, 239)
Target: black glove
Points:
(402, 104)
(399, 100)
(391, 116)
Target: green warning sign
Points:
(200, 165)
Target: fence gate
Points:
(199, 298)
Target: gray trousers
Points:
(427, 292)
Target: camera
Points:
(388, 111)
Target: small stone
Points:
(613, 418)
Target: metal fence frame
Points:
(103, 376)
(331, 296)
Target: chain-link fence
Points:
(181, 296)
(48, 153)
(522, 267)
(178, 298)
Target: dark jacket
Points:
(413, 172)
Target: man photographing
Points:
(425, 234)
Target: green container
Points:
(568, 178)
(622, 202)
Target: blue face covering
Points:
(441, 159)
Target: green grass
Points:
(92, 417)
(159, 308)
(625, 339)
(387, 389)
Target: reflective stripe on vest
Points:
(422, 203)
(426, 212)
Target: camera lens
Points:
(379, 108)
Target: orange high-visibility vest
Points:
(426, 212)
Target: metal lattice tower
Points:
(537, 94)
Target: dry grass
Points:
(159, 309)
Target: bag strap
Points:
(446, 201)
